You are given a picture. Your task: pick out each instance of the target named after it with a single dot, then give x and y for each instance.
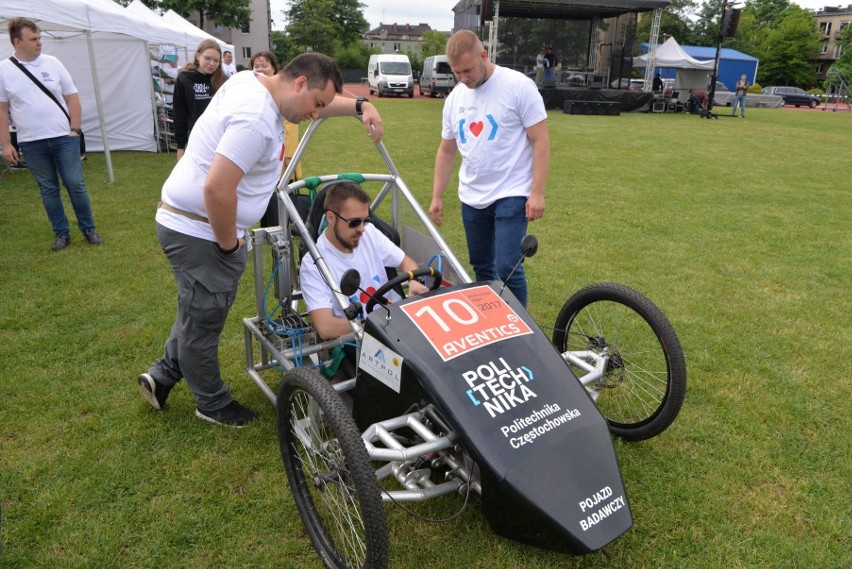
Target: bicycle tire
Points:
(329, 471)
(644, 385)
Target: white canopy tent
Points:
(691, 72)
(106, 49)
(192, 36)
(176, 21)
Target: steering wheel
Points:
(379, 295)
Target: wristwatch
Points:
(77, 130)
(358, 102)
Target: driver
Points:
(350, 241)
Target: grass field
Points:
(738, 229)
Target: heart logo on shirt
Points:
(476, 128)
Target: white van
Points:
(437, 77)
(390, 74)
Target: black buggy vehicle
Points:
(457, 391)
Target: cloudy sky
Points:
(439, 13)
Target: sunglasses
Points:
(355, 221)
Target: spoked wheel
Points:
(334, 485)
(643, 383)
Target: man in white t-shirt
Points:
(215, 192)
(48, 129)
(228, 64)
(350, 241)
(495, 118)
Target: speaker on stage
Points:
(610, 108)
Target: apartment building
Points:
(830, 20)
(396, 38)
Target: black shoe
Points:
(233, 415)
(154, 392)
(21, 165)
(61, 242)
(92, 236)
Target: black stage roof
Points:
(566, 9)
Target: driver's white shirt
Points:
(373, 253)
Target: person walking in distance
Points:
(45, 106)
(495, 118)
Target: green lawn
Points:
(738, 229)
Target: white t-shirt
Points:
(373, 253)
(489, 126)
(229, 69)
(243, 124)
(35, 115)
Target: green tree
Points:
(790, 46)
(766, 11)
(325, 25)
(675, 21)
(228, 13)
(845, 59)
(283, 47)
(434, 43)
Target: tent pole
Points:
(100, 102)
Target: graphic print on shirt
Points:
(476, 128)
(368, 293)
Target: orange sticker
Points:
(461, 321)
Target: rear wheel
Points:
(644, 382)
(329, 470)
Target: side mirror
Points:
(529, 246)
(349, 282)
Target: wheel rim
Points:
(636, 383)
(319, 466)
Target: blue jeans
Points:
(739, 100)
(494, 237)
(53, 158)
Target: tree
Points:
(325, 25)
(434, 43)
(790, 46)
(228, 13)
(766, 12)
(675, 21)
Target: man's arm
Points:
(220, 201)
(414, 287)
(345, 106)
(445, 159)
(74, 110)
(329, 326)
(540, 141)
(9, 152)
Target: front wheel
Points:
(627, 355)
(330, 475)
(813, 104)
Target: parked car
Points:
(793, 96)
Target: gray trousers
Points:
(207, 281)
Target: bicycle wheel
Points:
(329, 470)
(642, 388)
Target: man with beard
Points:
(494, 118)
(350, 240)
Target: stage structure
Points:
(483, 17)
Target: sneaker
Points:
(233, 415)
(92, 236)
(154, 392)
(61, 242)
